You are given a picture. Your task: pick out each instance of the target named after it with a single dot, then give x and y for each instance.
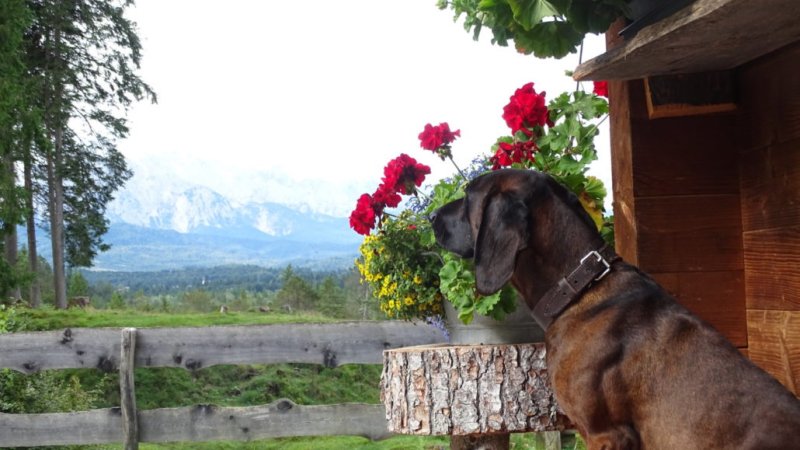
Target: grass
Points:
(49, 319)
(227, 385)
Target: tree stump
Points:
(468, 390)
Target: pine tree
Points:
(331, 298)
(14, 20)
(296, 293)
(82, 55)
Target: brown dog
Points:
(629, 365)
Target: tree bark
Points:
(467, 390)
(35, 293)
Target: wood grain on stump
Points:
(469, 389)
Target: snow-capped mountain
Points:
(162, 224)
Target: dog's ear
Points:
(502, 234)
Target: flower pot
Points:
(518, 327)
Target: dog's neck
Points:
(560, 239)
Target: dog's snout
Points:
(432, 216)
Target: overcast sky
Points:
(305, 102)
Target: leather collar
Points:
(593, 267)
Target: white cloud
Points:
(265, 99)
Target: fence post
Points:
(552, 440)
(130, 420)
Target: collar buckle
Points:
(600, 259)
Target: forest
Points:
(68, 74)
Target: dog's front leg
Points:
(619, 438)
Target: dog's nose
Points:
(432, 217)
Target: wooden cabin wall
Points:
(769, 129)
(677, 205)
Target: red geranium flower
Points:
(362, 219)
(508, 154)
(601, 88)
(526, 109)
(434, 137)
(403, 173)
(387, 196)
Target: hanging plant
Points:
(545, 28)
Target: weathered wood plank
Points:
(716, 297)
(98, 426)
(689, 233)
(706, 35)
(774, 344)
(685, 156)
(195, 423)
(769, 91)
(770, 179)
(282, 418)
(469, 389)
(328, 344)
(626, 235)
(65, 349)
(194, 348)
(772, 268)
(127, 389)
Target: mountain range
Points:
(161, 225)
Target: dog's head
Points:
(494, 222)
(490, 224)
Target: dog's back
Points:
(629, 365)
(677, 373)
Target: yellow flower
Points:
(417, 279)
(409, 301)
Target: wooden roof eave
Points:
(704, 36)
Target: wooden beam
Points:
(98, 426)
(330, 344)
(127, 389)
(281, 418)
(704, 36)
(774, 344)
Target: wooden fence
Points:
(195, 348)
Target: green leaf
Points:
(487, 303)
(549, 39)
(529, 13)
(466, 315)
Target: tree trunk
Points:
(469, 389)
(35, 293)
(10, 244)
(11, 255)
(56, 206)
(55, 195)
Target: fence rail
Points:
(194, 348)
